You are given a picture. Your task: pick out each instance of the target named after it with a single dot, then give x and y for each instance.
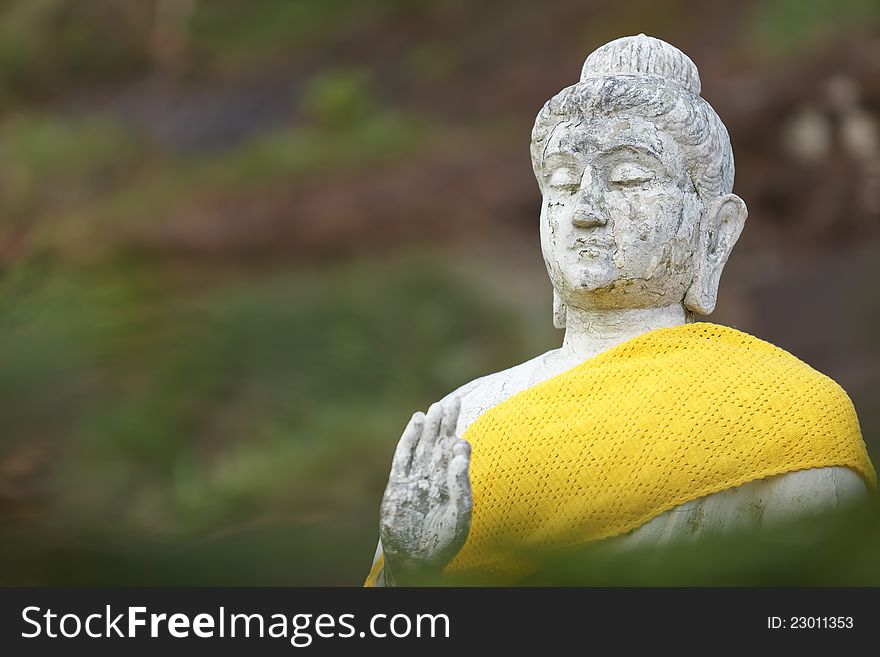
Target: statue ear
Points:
(558, 310)
(721, 226)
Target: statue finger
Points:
(451, 410)
(462, 448)
(448, 423)
(403, 455)
(458, 481)
(425, 447)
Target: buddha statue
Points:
(645, 425)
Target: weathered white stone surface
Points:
(637, 222)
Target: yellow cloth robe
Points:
(667, 417)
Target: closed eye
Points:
(564, 178)
(628, 174)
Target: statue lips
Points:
(591, 247)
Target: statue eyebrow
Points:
(632, 148)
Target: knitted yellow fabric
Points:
(667, 417)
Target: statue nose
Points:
(588, 212)
(588, 216)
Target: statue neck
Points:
(590, 332)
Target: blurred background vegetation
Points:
(241, 241)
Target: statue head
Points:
(636, 172)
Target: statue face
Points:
(620, 216)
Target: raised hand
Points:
(426, 510)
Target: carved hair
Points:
(647, 77)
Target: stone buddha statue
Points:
(644, 425)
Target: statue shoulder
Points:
(481, 394)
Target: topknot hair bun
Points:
(642, 56)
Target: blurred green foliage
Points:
(344, 129)
(47, 46)
(236, 32)
(50, 162)
(218, 411)
(66, 181)
(785, 28)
